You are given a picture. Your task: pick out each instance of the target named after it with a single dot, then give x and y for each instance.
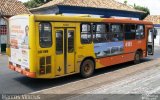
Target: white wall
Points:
(157, 40)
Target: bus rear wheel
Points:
(87, 68)
(137, 58)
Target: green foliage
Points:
(35, 3)
(125, 2)
(145, 9)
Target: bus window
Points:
(86, 37)
(117, 32)
(140, 32)
(45, 31)
(130, 31)
(99, 33)
(59, 42)
(70, 41)
(107, 33)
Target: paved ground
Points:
(137, 79)
(12, 82)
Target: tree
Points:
(141, 8)
(125, 2)
(35, 3)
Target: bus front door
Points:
(150, 42)
(65, 51)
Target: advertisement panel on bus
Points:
(18, 29)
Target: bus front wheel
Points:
(137, 58)
(87, 68)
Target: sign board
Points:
(18, 28)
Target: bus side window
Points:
(117, 32)
(140, 32)
(99, 33)
(45, 33)
(86, 35)
(130, 31)
(59, 42)
(70, 41)
(107, 33)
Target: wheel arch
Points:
(140, 51)
(91, 58)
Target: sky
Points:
(153, 5)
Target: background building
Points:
(8, 8)
(104, 8)
(156, 21)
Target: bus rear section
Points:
(19, 56)
(58, 46)
(43, 49)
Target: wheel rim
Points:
(137, 58)
(87, 68)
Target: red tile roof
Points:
(106, 4)
(153, 18)
(12, 7)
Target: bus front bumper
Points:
(22, 71)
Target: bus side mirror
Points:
(155, 35)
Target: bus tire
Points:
(137, 57)
(87, 68)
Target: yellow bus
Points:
(50, 46)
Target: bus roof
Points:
(130, 21)
(62, 18)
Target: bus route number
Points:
(129, 44)
(65, 25)
(43, 51)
